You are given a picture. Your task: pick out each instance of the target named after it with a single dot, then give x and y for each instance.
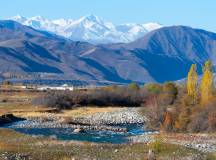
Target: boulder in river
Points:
(78, 130)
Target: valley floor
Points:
(14, 145)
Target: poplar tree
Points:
(192, 82)
(207, 83)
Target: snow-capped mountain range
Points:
(89, 28)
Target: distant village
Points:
(39, 87)
(46, 87)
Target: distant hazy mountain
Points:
(162, 55)
(89, 28)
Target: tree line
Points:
(193, 109)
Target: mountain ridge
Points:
(162, 55)
(89, 28)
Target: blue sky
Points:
(195, 13)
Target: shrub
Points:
(196, 118)
(183, 118)
(167, 122)
(154, 89)
(4, 100)
(54, 99)
(165, 99)
(198, 122)
(170, 92)
(6, 83)
(212, 121)
(199, 119)
(155, 116)
(157, 145)
(120, 96)
(133, 86)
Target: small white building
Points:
(57, 88)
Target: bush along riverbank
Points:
(9, 118)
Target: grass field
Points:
(13, 101)
(20, 104)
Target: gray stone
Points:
(78, 130)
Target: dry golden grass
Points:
(2, 111)
(13, 101)
(88, 111)
(78, 112)
(32, 114)
(20, 108)
(20, 104)
(17, 97)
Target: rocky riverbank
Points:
(123, 116)
(106, 121)
(56, 124)
(202, 142)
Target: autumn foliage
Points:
(168, 122)
(207, 84)
(192, 82)
(185, 108)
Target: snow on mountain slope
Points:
(89, 28)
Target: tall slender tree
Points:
(192, 82)
(207, 83)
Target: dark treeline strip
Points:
(125, 96)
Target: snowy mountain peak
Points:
(88, 21)
(89, 28)
(90, 17)
(18, 18)
(152, 26)
(38, 18)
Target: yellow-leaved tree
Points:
(192, 82)
(207, 83)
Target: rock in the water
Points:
(78, 130)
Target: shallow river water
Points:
(88, 135)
